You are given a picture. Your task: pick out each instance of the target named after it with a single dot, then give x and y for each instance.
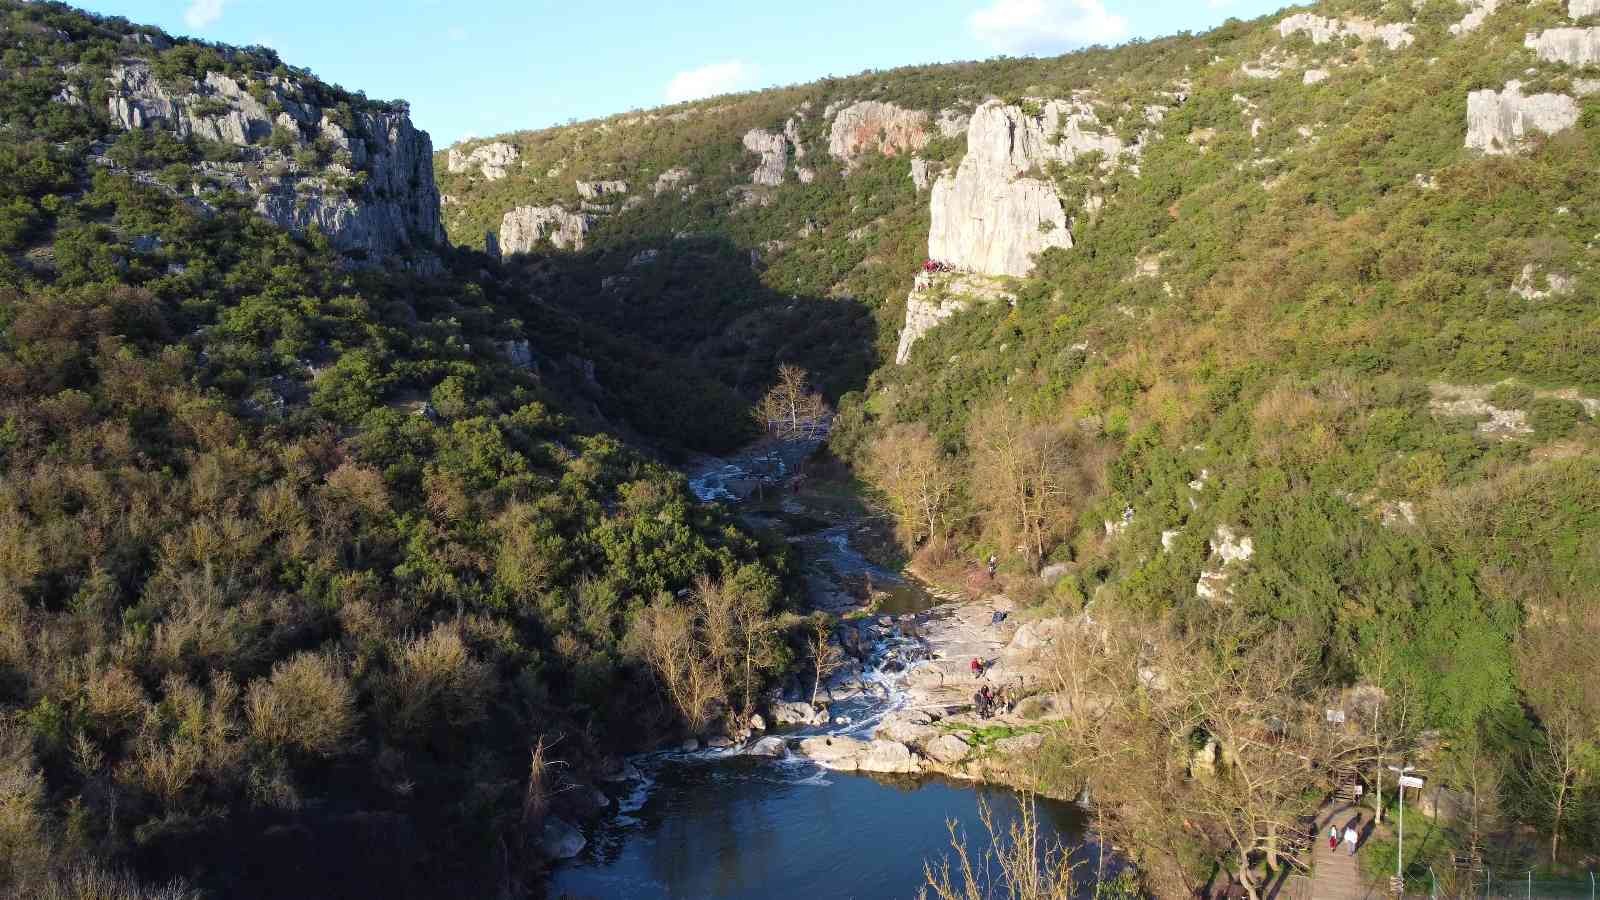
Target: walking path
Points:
(1335, 874)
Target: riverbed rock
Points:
(1324, 30)
(1501, 122)
(527, 227)
(992, 218)
(689, 745)
(1053, 573)
(853, 755)
(948, 749)
(758, 723)
(869, 126)
(561, 839)
(493, 160)
(910, 727)
(768, 747)
(798, 713)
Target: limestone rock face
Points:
(938, 296)
(923, 173)
(377, 194)
(853, 755)
(870, 125)
(492, 160)
(773, 148)
(990, 217)
(1322, 30)
(953, 121)
(1228, 550)
(596, 190)
(1477, 12)
(1577, 9)
(1572, 46)
(1499, 122)
(524, 228)
(674, 178)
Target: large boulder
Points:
(1040, 706)
(1033, 636)
(889, 757)
(561, 839)
(911, 727)
(769, 747)
(948, 749)
(798, 713)
(833, 752)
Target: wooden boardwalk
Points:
(1335, 874)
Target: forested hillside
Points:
(1309, 358)
(311, 528)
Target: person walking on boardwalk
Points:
(1333, 837)
(1351, 836)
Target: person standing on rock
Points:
(979, 704)
(977, 667)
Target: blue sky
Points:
(489, 66)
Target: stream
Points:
(723, 823)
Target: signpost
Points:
(1406, 780)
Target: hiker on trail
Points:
(1351, 836)
(977, 667)
(988, 701)
(994, 565)
(981, 704)
(1333, 837)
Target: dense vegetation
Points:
(298, 559)
(1265, 329)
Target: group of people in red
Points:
(933, 265)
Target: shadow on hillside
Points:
(701, 300)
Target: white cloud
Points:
(202, 13)
(1046, 26)
(709, 80)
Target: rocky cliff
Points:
(362, 175)
(873, 126)
(523, 229)
(492, 160)
(1501, 122)
(995, 214)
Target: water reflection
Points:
(743, 828)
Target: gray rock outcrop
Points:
(992, 216)
(675, 178)
(870, 126)
(492, 160)
(597, 190)
(526, 227)
(1577, 9)
(376, 194)
(952, 122)
(1572, 46)
(853, 755)
(1228, 551)
(948, 749)
(923, 173)
(1477, 12)
(1322, 30)
(935, 297)
(773, 148)
(1500, 122)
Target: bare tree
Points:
(1562, 687)
(1022, 477)
(664, 636)
(1019, 864)
(826, 657)
(916, 478)
(792, 410)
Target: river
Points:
(720, 823)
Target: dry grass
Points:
(307, 705)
